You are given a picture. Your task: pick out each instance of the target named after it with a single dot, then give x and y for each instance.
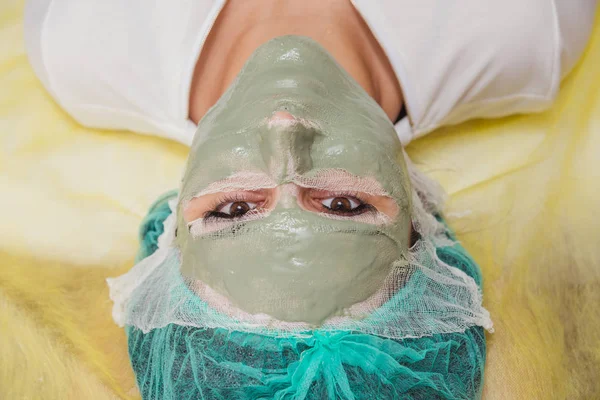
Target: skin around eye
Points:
(345, 204)
(236, 204)
(341, 204)
(229, 205)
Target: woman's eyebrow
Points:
(248, 181)
(334, 179)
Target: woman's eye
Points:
(342, 205)
(235, 208)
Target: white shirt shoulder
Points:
(463, 59)
(120, 64)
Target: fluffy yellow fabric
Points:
(46, 367)
(524, 194)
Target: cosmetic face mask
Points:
(297, 128)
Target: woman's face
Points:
(293, 203)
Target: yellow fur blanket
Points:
(524, 197)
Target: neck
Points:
(242, 26)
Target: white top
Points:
(128, 64)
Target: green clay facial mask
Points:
(292, 124)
